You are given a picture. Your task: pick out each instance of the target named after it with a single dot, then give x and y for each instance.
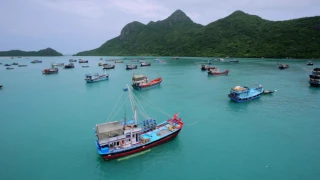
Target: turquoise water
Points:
(47, 122)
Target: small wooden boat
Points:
(83, 61)
(206, 67)
(69, 66)
(52, 70)
(268, 91)
(145, 64)
(22, 65)
(310, 63)
(131, 66)
(118, 61)
(102, 64)
(109, 66)
(36, 61)
(217, 72)
(9, 68)
(283, 66)
(90, 78)
(141, 82)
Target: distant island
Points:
(237, 35)
(43, 52)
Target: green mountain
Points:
(43, 52)
(237, 35)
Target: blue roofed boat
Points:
(90, 78)
(241, 94)
(128, 137)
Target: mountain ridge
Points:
(238, 34)
(43, 52)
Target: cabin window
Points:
(118, 143)
(133, 135)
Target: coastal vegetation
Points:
(43, 52)
(237, 35)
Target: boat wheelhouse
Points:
(123, 138)
(95, 77)
(141, 82)
(314, 77)
(241, 94)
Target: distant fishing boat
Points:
(109, 66)
(283, 66)
(102, 64)
(206, 67)
(141, 82)
(176, 57)
(83, 61)
(145, 64)
(310, 63)
(314, 77)
(9, 68)
(15, 63)
(268, 91)
(118, 139)
(131, 66)
(69, 66)
(234, 61)
(216, 71)
(57, 64)
(7, 65)
(22, 65)
(241, 94)
(51, 70)
(118, 61)
(36, 61)
(90, 78)
(85, 66)
(72, 60)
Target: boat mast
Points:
(134, 109)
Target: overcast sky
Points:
(71, 26)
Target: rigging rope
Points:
(120, 108)
(115, 106)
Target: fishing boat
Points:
(90, 78)
(9, 68)
(268, 91)
(206, 67)
(241, 94)
(22, 65)
(216, 71)
(85, 66)
(118, 61)
(176, 57)
(126, 138)
(69, 66)
(83, 61)
(141, 82)
(234, 61)
(52, 70)
(36, 61)
(131, 66)
(310, 63)
(7, 65)
(72, 60)
(145, 64)
(314, 77)
(283, 66)
(109, 66)
(15, 63)
(102, 64)
(57, 64)
(160, 61)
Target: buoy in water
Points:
(125, 89)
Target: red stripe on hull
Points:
(142, 148)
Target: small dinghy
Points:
(269, 91)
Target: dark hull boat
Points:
(50, 71)
(83, 61)
(283, 66)
(118, 139)
(314, 77)
(69, 66)
(109, 66)
(22, 65)
(1, 86)
(85, 66)
(217, 72)
(9, 68)
(145, 64)
(129, 67)
(206, 67)
(310, 63)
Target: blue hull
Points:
(96, 80)
(243, 99)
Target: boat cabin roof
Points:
(109, 127)
(138, 77)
